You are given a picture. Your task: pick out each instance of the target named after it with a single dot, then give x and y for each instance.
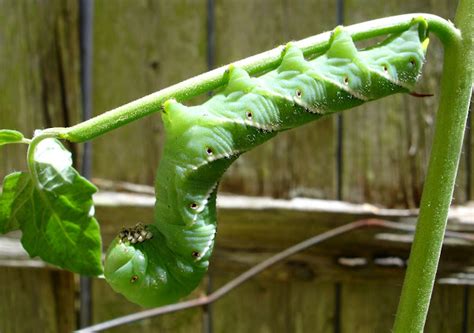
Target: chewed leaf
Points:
(17, 189)
(10, 136)
(53, 207)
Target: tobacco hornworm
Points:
(162, 262)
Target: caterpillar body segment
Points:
(203, 141)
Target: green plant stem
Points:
(254, 65)
(41, 135)
(456, 86)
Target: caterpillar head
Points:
(140, 265)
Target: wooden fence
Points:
(373, 154)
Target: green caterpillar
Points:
(162, 262)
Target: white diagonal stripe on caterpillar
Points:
(213, 158)
(307, 107)
(251, 123)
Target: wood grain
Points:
(470, 310)
(36, 300)
(108, 305)
(301, 161)
(446, 310)
(275, 305)
(370, 307)
(140, 47)
(39, 71)
(387, 142)
(39, 87)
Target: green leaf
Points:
(17, 188)
(54, 210)
(10, 136)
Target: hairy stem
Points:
(254, 65)
(456, 86)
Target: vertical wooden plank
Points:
(39, 76)
(470, 309)
(36, 300)
(311, 152)
(140, 47)
(446, 309)
(277, 168)
(297, 162)
(40, 87)
(284, 298)
(386, 143)
(368, 307)
(260, 305)
(312, 306)
(244, 29)
(109, 305)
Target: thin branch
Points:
(229, 286)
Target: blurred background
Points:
(376, 154)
